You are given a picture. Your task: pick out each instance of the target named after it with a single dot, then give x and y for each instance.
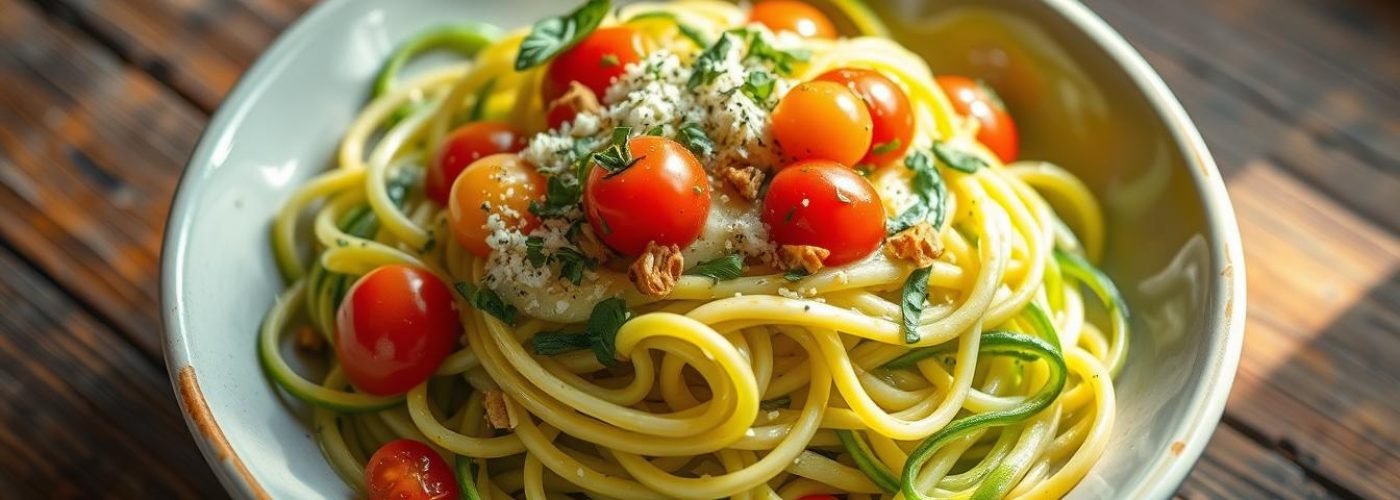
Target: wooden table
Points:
(102, 101)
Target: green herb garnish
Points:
(721, 269)
(915, 294)
(759, 86)
(957, 158)
(553, 35)
(706, 65)
(617, 157)
(694, 138)
(929, 191)
(486, 300)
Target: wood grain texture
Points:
(1234, 466)
(198, 48)
(83, 415)
(90, 150)
(1329, 396)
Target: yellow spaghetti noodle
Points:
(728, 388)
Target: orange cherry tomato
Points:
(405, 469)
(824, 204)
(797, 17)
(393, 329)
(973, 98)
(890, 112)
(599, 58)
(664, 197)
(463, 146)
(822, 120)
(500, 184)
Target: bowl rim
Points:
(1227, 314)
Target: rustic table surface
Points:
(101, 102)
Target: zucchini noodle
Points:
(723, 388)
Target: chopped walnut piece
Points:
(746, 180)
(577, 99)
(918, 244)
(307, 339)
(807, 257)
(656, 271)
(496, 412)
(591, 246)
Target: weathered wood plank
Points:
(1253, 98)
(1233, 466)
(199, 48)
(90, 151)
(84, 414)
(1317, 376)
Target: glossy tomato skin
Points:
(405, 469)
(461, 147)
(599, 58)
(393, 329)
(825, 204)
(822, 120)
(664, 197)
(500, 184)
(794, 16)
(891, 116)
(972, 98)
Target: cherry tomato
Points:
(393, 329)
(797, 17)
(500, 184)
(974, 99)
(594, 62)
(405, 469)
(664, 197)
(890, 113)
(463, 146)
(824, 204)
(567, 107)
(822, 121)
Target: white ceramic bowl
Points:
(1082, 97)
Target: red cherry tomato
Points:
(500, 184)
(890, 113)
(974, 99)
(822, 121)
(664, 197)
(409, 470)
(594, 62)
(393, 329)
(463, 146)
(825, 204)
(797, 17)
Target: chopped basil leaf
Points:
(656, 130)
(694, 138)
(929, 191)
(560, 195)
(759, 86)
(607, 317)
(552, 35)
(705, 66)
(886, 147)
(553, 343)
(721, 269)
(915, 294)
(795, 274)
(572, 263)
(486, 300)
(777, 403)
(957, 158)
(781, 60)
